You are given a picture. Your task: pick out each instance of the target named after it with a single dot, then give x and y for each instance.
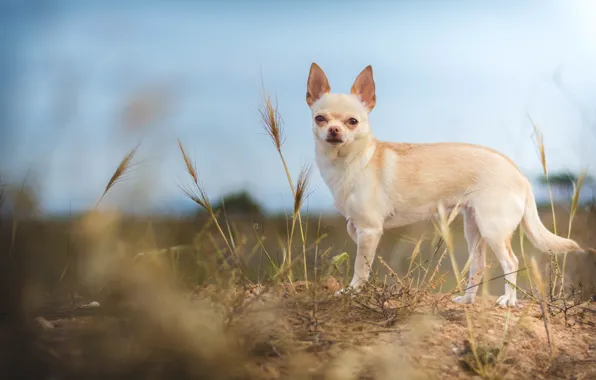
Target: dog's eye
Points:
(352, 121)
(320, 118)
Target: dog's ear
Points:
(364, 88)
(317, 84)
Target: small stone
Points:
(44, 323)
(332, 284)
(91, 305)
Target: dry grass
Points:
(121, 170)
(227, 302)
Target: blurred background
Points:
(82, 83)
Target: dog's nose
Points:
(333, 131)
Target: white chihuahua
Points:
(378, 185)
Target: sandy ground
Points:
(281, 334)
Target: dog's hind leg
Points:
(497, 217)
(477, 254)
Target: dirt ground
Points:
(280, 334)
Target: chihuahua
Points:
(378, 185)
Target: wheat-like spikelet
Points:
(540, 144)
(553, 258)
(415, 254)
(542, 152)
(190, 167)
(301, 187)
(272, 123)
(198, 196)
(575, 199)
(122, 168)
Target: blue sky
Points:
(445, 71)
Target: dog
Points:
(378, 185)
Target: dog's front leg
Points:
(368, 241)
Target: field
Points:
(222, 295)
(168, 314)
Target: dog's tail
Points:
(539, 235)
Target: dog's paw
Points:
(462, 300)
(507, 301)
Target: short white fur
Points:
(378, 185)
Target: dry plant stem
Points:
(437, 247)
(445, 231)
(199, 196)
(415, 253)
(574, 203)
(317, 249)
(122, 168)
(554, 260)
(417, 295)
(301, 186)
(542, 302)
(521, 245)
(295, 217)
(393, 274)
(260, 242)
(272, 123)
(495, 278)
(437, 268)
(540, 143)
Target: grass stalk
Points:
(272, 123)
(574, 204)
(554, 260)
(121, 170)
(542, 301)
(199, 196)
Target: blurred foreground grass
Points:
(175, 302)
